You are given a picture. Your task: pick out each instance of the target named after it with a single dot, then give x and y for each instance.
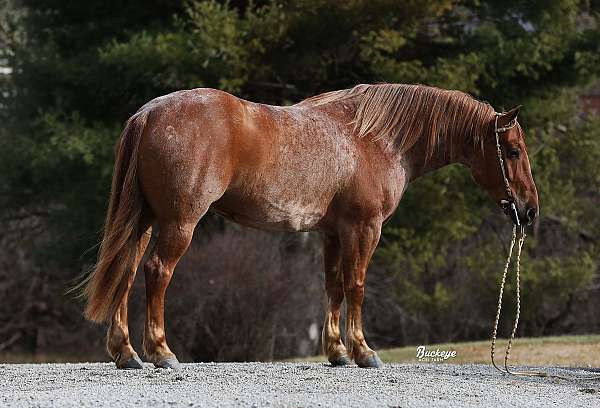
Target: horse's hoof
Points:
(170, 362)
(340, 361)
(134, 363)
(371, 361)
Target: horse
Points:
(337, 163)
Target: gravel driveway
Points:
(286, 385)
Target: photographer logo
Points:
(434, 356)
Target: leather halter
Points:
(509, 205)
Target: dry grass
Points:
(566, 351)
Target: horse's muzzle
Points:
(510, 209)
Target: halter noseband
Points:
(510, 203)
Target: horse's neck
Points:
(418, 165)
(414, 160)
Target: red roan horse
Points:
(337, 163)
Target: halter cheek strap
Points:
(511, 197)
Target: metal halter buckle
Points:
(510, 203)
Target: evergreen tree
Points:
(80, 69)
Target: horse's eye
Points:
(514, 153)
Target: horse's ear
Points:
(508, 116)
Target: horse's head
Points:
(505, 171)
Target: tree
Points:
(79, 70)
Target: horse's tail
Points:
(107, 284)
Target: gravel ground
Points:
(287, 385)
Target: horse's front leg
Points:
(333, 347)
(358, 242)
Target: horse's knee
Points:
(354, 292)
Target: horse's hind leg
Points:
(173, 240)
(117, 339)
(333, 347)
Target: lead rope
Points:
(518, 312)
(506, 368)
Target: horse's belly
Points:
(273, 213)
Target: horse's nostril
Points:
(531, 214)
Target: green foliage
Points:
(80, 69)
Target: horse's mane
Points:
(401, 114)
